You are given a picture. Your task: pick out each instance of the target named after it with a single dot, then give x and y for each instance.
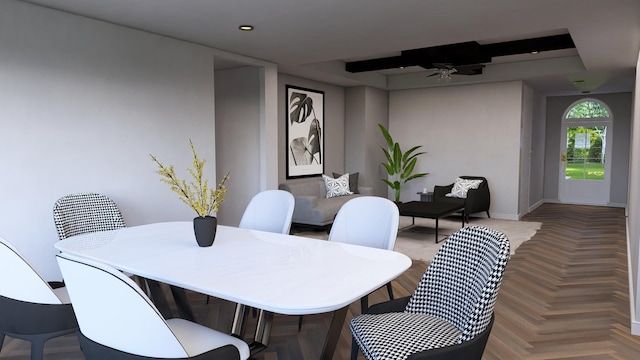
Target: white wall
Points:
(238, 138)
(83, 104)
(465, 130)
(526, 125)
(538, 131)
(633, 209)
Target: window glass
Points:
(589, 109)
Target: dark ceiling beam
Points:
(377, 64)
(547, 43)
(467, 53)
(455, 54)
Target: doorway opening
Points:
(585, 147)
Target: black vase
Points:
(205, 230)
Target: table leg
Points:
(238, 324)
(263, 331)
(184, 308)
(436, 230)
(330, 343)
(158, 298)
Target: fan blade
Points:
(443, 66)
(470, 69)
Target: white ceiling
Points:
(313, 38)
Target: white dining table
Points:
(278, 273)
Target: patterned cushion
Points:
(337, 187)
(462, 186)
(398, 335)
(85, 212)
(353, 181)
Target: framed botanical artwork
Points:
(305, 141)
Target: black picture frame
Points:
(305, 138)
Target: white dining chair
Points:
(118, 321)
(29, 308)
(269, 210)
(370, 221)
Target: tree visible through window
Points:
(586, 144)
(588, 110)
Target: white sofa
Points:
(311, 204)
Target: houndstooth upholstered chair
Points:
(450, 314)
(80, 213)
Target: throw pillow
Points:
(462, 186)
(353, 181)
(336, 187)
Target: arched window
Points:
(588, 109)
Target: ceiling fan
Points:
(445, 70)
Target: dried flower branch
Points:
(197, 194)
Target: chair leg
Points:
(300, 322)
(354, 349)
(489, 216)
(37, 349)
(364, 304)
(182, 303)
(390, 291)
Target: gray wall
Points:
(538, 135)
(526, 124)
(465, 130)
(366, 108)
(238, 138)
(84, 103)
(620, 105)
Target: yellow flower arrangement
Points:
(197, 194)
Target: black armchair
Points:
(477, 200)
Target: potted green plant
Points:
(197, 195)
(400, 165)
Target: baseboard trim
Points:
(505, 216)
(635, 324)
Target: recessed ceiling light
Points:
(246, 27)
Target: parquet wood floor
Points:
(564, 296)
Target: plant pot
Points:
(205, 230)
